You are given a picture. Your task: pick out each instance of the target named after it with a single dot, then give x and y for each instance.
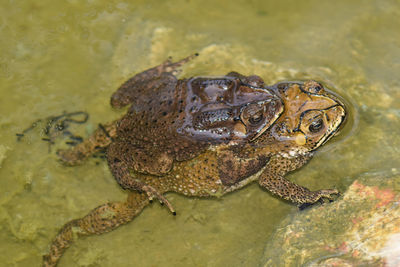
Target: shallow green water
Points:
(71, 55)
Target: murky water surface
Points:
(71, 55)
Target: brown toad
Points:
(204, 136)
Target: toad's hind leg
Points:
(100, 220)
(100, 139)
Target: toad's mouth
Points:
(337, 115)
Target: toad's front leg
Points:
(273, 180)
(164, 72)
(100, 220)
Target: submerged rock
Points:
(361, 228)
(3, 152)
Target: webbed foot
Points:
(171, 67)
(329, 194)
(153, 193)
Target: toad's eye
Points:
(253, 114)
(316, 125)
(313, 87)
(256, 118)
